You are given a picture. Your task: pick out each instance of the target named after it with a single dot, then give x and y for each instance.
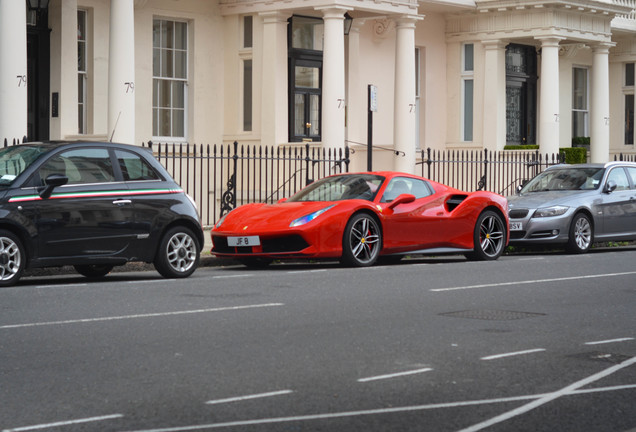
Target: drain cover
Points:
(492, 315)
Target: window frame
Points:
(629, 101)
(157, 108)
(586, 110)
(82, 73)
(467, 93)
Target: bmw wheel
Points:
(178, 254)
(489, 237)
(93, 270)
(581, 234)
(362, 241)
(12, 258)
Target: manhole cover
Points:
(492, 315)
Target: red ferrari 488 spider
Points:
(360, 218)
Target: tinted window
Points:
(134, 167)
(632, 174)
(406, 185)
(618, 175)
(566, 179)
(355, 186)
(14, 160)
(80, 166)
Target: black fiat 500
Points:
(93, 206)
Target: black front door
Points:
(38, 77)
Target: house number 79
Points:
(130, 87)
(22, 80)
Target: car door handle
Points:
(122, 202)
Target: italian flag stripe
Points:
(97, 194)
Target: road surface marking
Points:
(550, 397)
(510, 354)
(64, 423)
(254, 396)
(149, 315)
(395, 375)
(327, 416)
(610, 341)
(233, 276)
(306, 271)
(71, 285)
(535, 281)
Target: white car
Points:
(575, 206)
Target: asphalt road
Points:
(526, 343)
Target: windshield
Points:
(14, 160)
(342, 187)
(565, 179)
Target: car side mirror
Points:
(402, 199)
(282, 200)
(52, 181)
(610, 187)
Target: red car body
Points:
(444, 220)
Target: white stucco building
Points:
(449, 74)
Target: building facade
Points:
(450, 74)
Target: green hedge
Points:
(522, 147)
(580, 141)
(574, 155)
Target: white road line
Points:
(233, 276)
(72, 285)
(254, 396)
(395, 375)
(379, 411)
(149, 315)
(306, 271)
(510, 354)
(610, 341)
(64, 423)
(535, 281)
(550, 397)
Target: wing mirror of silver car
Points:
(52, 181)
(610, 187)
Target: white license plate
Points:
(516, 226)
(244, 241)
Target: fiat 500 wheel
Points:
(489, 237)
(93, 270)
(581, 234)
(12, 258)
(362, 241)
(178, 254)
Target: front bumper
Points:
(525, 229)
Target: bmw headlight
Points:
(550, 211)
(308, 218)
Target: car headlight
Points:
(308, 218)
(550, 211)
(220, 221)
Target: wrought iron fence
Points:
(14, 141)
(222, 177)
(496, 171)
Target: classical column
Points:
(121, 72)
(333, 78)
(404, 113)
(13, 70)
(274, 104)
(494, 113)
(549, 96)
(600, 104)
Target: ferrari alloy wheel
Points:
(362, 241)
(581, 234)
(178, 254)
(489, 237)
(94, 270)
(12, 258)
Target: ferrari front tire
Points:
(362, 241)
(489, 237)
